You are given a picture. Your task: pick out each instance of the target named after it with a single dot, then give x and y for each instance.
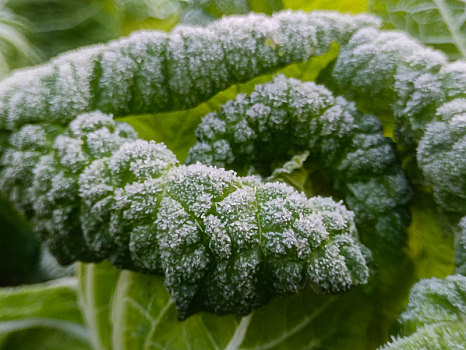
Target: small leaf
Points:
(291, 167)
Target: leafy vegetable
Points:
(435, 317)
(191, 65)
(224, 243)
(287, 116)
(426, 95)
(228, 244)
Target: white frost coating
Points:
(175, 227)
(29, 137)
(94, 183)
(441, 155)
(448, 110)
(238, 213)
(330, 260)
(147, 50)
(197, 63)
(116, 81)
(153, 71)
(198, 186)
(72, 86)
(122, 182)
(244, 42)
(138, 200)
(454, 77)
(70, 152)
(212, 127)
(142, 159)
(90, 122)
(28, 101)
(220, 241)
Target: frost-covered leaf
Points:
(460, 248)
(438, 23)
(435, 317)
(287, 116)
(388, 72)
(99, 193)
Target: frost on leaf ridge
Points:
(155, 71)
(425, 93)
(223, 243)
(285, 117)
(435, 317)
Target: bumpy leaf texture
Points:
(435, 317)
(153, 71)
(286, 117)
(425, 93)
(223, 243)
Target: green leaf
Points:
(19, 248)
(431, 242)
(439, 23)
(96, 287)
(338, 5)
(435, 317)
(136, 312)
(291, 168)
(176, 129)
(42, 316)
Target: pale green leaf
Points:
(431, 242)
(142, 316)
(42, 316)
(96, 287)
(338, 5)
(439, 23)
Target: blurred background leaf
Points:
(42, 316)
(15, 49)
(438, 23)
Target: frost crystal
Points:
(94, 191)
(292, 116)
